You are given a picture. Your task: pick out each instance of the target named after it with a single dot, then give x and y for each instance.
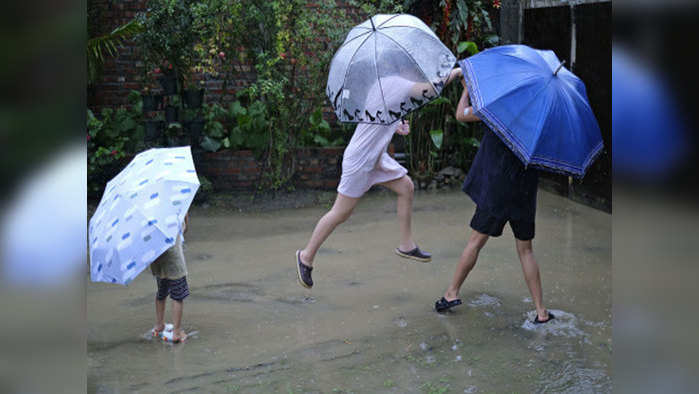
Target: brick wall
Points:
(317, 168)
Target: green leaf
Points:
(215, 129)
(486, 17)
(463, 12)
(492, 39)
(236, 137)
(439, 101)
(210, 144)
(316, 117)
(469, 46)
(437, 137)
(473, 142)
(320, 140)
(226, 143)
(236, 109)
(324, 126)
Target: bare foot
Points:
(451, 295)
(304, 258)
(179, 336)
(407, 247)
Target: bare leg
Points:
(466, 263)
(531, 275)
(159, 315)
(177, 332)
(404, 188)
(341, 211)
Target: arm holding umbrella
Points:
(454, 74)
(419, 87)
(464, 111)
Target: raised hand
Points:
(403, 128)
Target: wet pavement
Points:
(368, 325)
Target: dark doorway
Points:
(593, 64)
(551, 28)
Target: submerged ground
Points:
(368, 325)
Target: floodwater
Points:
(368, 325)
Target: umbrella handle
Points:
(559, 67)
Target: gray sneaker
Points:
(304, 272)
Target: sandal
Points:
(537, 321)
(303, 272)
(443, 305)
(168, 336)
(415, 254)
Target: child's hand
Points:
(403, 128)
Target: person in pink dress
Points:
(366, 163)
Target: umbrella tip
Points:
(372, 23)
(559, 67)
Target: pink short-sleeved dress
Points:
(365, 161)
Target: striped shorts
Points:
(176, 288)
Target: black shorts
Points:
(176, 288)
(485, 223)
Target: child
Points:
(365, 163)
(170, 271)
(504, 191)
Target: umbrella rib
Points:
(389, 19)
(376, 68)
(349, 66)
(354, 38)
(413, 60)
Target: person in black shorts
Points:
(504, 192)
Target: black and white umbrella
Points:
(388, 66)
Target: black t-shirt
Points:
(499, 183)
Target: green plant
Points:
(167, 36)
(249, 126)
(469, 46)
(111, 137)
(214, 132)
(99, 47)
(236, 128)
(318, 132)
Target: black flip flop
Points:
(443, 305)
(537, 321)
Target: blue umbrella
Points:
(536, 106)
(141, 213)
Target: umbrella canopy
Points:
(536, 106)
(141, 213)
(388, 66)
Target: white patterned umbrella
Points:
(141, 213)
(387, 55)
